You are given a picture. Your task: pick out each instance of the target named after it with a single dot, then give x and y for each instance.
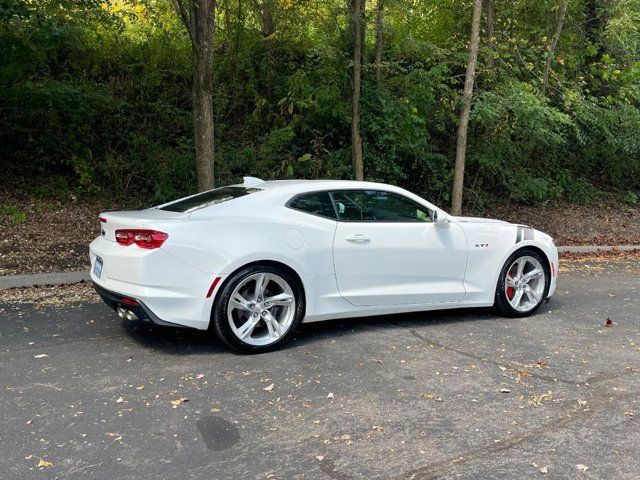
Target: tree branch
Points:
(184, 16)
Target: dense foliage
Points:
(95, 97)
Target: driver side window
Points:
(377, 206)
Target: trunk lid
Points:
(140, 219)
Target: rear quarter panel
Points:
(222, 245)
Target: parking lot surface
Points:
(460, 394)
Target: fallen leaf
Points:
(319, 457)
(214, 410)
(330, 396)
(346, 436)
(536, 400)
(609, 323)
(581, 467)
(269, 388)
(427, 395)
(44, 464)
(544, 469)
(524, 373)
(120, 400)
(180, 400)
(377, 428)
(542, 362)
(505, 390)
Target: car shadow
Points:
(186, 341)
(330, 329)
(173, 340)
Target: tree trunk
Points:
(227, 24)
(236, 49)
(490, 31)
(356, 139)
(467, 97)
(231, 48)
(379, 40)
(198, 18)
(363, 31)
(267, 31)
(554, 43)
(203, 119)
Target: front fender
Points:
(489, 248)
(539, 241)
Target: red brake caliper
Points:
(510, 290)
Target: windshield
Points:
(205, 199)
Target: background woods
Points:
(96, 96)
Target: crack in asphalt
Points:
(443, 467)
(479, 358)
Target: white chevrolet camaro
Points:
(252, 261)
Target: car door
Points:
(388, 251)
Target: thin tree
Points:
(467, 97)
(198, 18)
(551, 49)
(268, 30)
(230, 45)
(379, 40)
(356, 83)
(490, 31)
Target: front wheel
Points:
(523, 284)
(258, 309)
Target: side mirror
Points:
(440, 219)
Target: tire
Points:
(510, 286)
(244, 321)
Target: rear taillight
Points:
(142, 238)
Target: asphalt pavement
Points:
(460, 394)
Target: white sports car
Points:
(252, 261)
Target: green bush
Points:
(12, 214)
(95, 99)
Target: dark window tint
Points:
(378, 206)
(316, 203)
(205, 199)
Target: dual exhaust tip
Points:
(126, 314)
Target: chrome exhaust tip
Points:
(131, 316)
(122, 313)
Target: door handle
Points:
(358, 238)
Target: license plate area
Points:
(97, 267)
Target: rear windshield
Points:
(204, 199)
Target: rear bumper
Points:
(144, 313)
(171, 291)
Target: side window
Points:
(378, 206)
(315, 203)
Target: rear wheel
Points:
(523, 284)
(258, 309)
